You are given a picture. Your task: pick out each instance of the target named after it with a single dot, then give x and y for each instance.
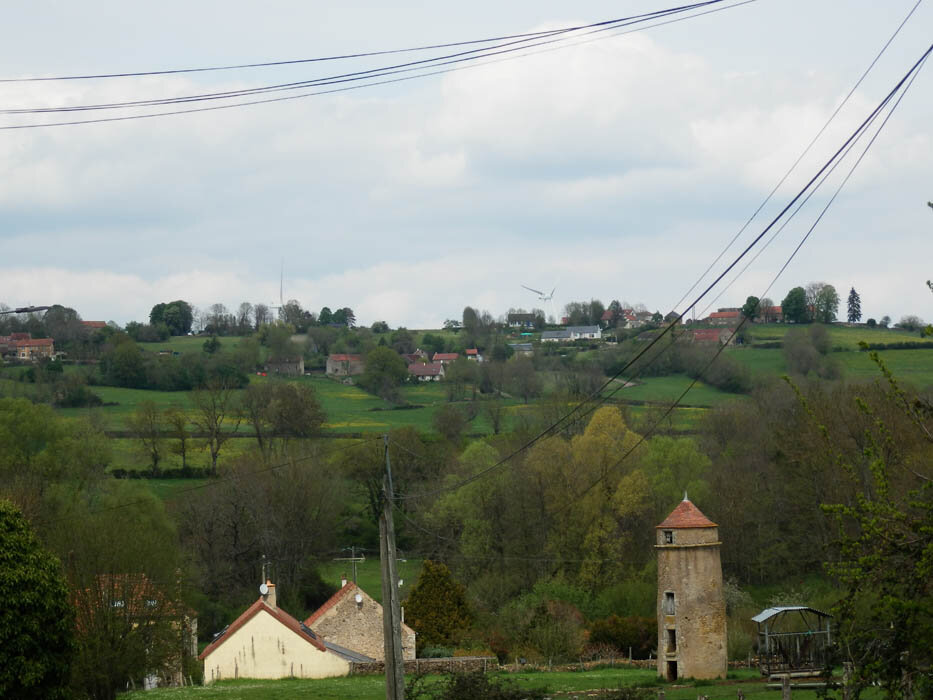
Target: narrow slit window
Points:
(672, 640)
(669, 603)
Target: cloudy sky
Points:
(614, 169)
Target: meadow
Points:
(564, 683)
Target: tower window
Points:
(668, 537)
(669, 603)
(672, 640)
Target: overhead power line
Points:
(596, 396)
(370, 78)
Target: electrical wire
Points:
(801, 156)
(597, 394)
(357, 86)
(447, 59)
(912, 75)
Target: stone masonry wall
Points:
(693, 572)
(359, 627)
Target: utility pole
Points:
(391, 610)
(353, 559)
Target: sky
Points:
(616, 168)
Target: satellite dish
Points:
(263, 588)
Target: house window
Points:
(669, 603)
(668, 537)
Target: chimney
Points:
(269, 598)
(343, 580)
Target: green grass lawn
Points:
(841, 336)
(667, 389)
(190, 343)
(373, 687)
(368, 573)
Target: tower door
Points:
(672, 670)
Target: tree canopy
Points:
(36, 618)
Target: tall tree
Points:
(855, 306)
(262, 314)
(437, 607)
(794, 306)
(36, 619)
(147, 422)
(752, 308)
(826, 305)
(214, 413)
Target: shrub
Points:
(639, 633)
(471, 686)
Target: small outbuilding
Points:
(793, 639)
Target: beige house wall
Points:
(265, 648)
(691, 569)
(359, 627)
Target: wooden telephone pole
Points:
(391, 609)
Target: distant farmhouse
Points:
(287, 366)
(521, 320)
(25, 348)
(445, 358)
(723, 336)
(426, 371)
(342, 365)
(725, 317)
(571, 333)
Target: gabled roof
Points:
(94, 324)
(725, 314)
(451, 356)
(277, 613)
(33, 342)
(686, 515)
(768, 613)
(425, 369)
(349, 588)
(471, 351)
(345, 358)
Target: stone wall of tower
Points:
(691, 569)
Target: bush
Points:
(471, 686)
(637, 633)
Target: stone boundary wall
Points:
(460, 664)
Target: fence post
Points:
(785, 687)
(660, 695)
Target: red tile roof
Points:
(430, 369)
(249, 614)
(345, 358)
(330, 602)
(725, 314)
(686, 515)
(607, 315)
(94, 324)
(472, 351)
(707, 334)
(33, 342)
(447, 356)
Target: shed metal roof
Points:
(768, 613)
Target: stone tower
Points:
(691, 606)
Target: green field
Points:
(667, 389)
(841, 336)
(190, 343)
(368, 573)
(373, 687)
